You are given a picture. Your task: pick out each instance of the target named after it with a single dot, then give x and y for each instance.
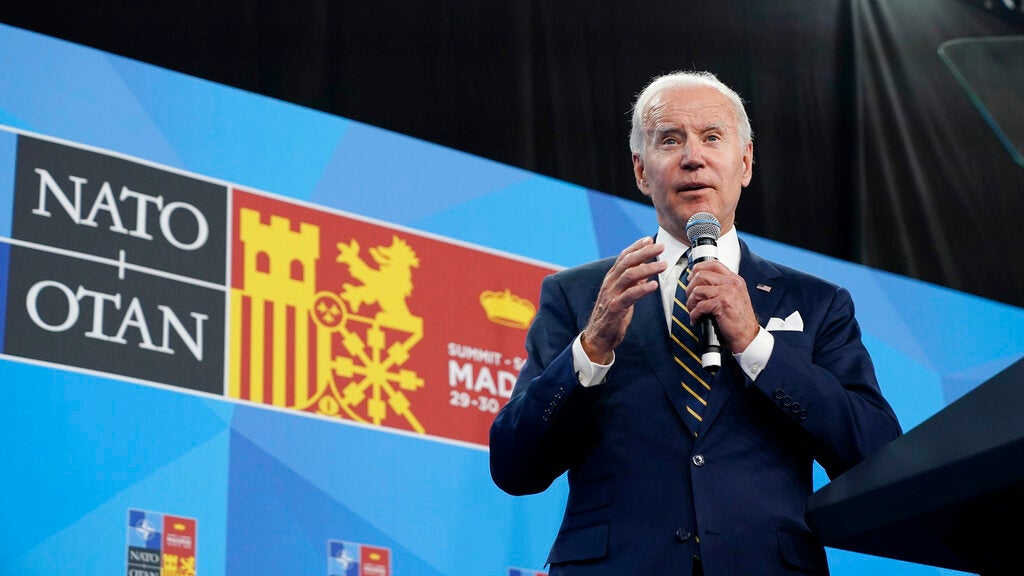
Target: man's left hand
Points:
(716, 291)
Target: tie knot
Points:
(684, 274)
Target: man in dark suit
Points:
(656, 487)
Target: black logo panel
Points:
(105, 206)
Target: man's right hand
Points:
(628, 280)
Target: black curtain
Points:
(865, 146)
(939, 195)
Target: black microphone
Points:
(703, 229)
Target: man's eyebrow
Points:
(665, 128)
(669, 128)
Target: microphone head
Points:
(702, 225)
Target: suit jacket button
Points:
(779, 393)
(683, 535)
(698, 460)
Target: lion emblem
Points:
(388, 285)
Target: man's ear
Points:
(748, 163)
(638, 173)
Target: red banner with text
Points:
(362, 321)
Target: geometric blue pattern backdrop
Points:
(268, 489)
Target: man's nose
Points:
(691, 155)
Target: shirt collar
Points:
(728, 248)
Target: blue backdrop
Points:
(269, 488)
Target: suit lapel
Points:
(765, 283)
(765, 287)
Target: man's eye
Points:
(669, 141)
(714, 138)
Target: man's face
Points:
(693, 158)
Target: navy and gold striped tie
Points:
(695, 380)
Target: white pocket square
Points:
(792, 322)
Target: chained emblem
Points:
(368, 382)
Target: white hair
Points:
(641, 108)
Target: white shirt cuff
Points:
(588, 373)
(758, 352)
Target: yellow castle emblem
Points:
(334, 361)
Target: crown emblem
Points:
(507, 309)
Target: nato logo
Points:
(354, 559)
(343, 560)
(144, 529)
(145, 539)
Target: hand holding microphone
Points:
(719, 300)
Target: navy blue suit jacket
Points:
(642, 490)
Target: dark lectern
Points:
(949, 493)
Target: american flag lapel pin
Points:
(764, 287)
